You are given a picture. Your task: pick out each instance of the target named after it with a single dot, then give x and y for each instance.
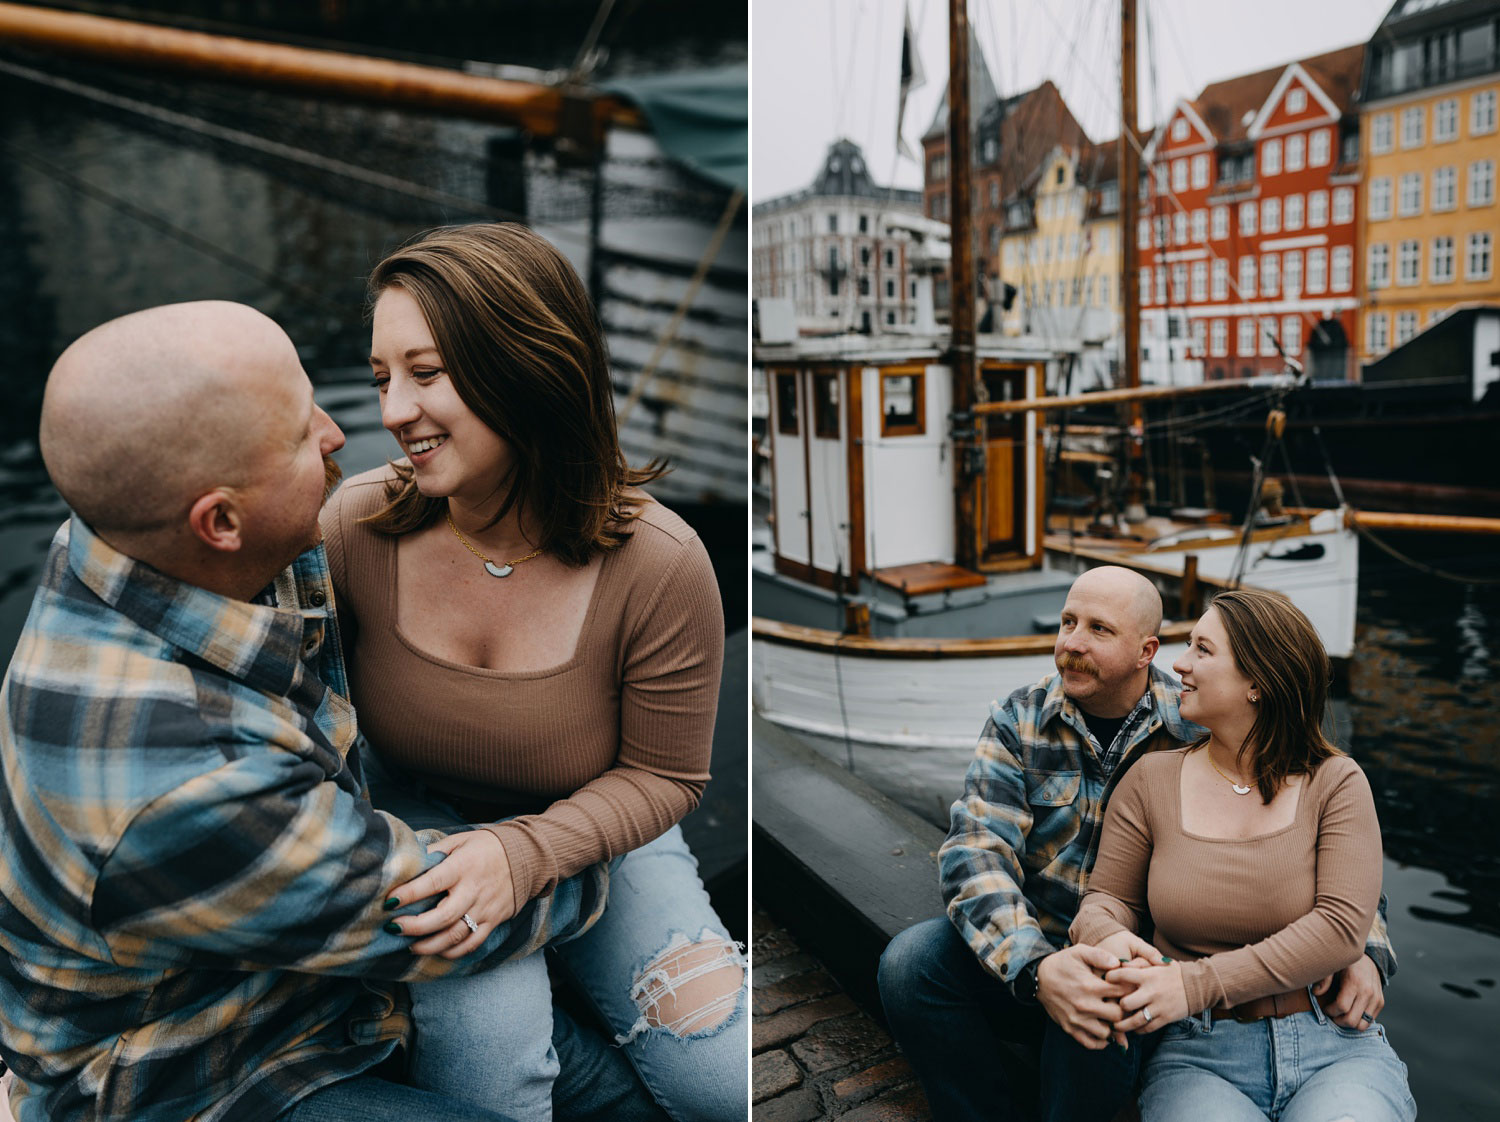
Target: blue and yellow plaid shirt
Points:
(1024, 836)
(191, 876)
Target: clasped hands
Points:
(475, 875)
(1097, 994)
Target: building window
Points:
(1200, 338)
(1317, 149)
(1179, 175)
(1377, 339)
(890, 288)
(1200, 226)
(1270, 270)
(1220, 222)
(1294, 212)
(1161, 230)
(1343, 269)
(1482, 113)
(1441, 271)
(1379, 273)
(1317, 208)
(1343, 205)
(1291, 274)
(1270, 157)
(1317, 270)
(1413, 120)
(1247, 278)
(890, 259)
(903, 410)
(1382, 133)
(1477, 257)
(1247, 220)
(826, 406)
(1296, 152)
(1200, 172)
(994, 193)
(1143, 233)
(1268, 337)
(864, 223)
(913, 290)
(890, 319)
(1409, 263)
(937, 168)
(1296, 100)
(1218, 338)
(786, 404)
(1481, 182)
(1409, 195)
(1200, 281)
(1246, 340)
(1179, 129)
(1291, 335)
(1161, 284)
(1146, 286)
(1180, 228)
(864, 254)
(833, 224)
(1406, 326)
(1220, 279)
(1380, 198)
(1270, 216)
(1445, 189)
(1444, 122)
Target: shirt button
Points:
(318, 598)
(310, 648)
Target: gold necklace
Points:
(505, 568)
(1238, 790)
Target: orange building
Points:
(1429, 220)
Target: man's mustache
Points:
(1077, 663)
(332, 473)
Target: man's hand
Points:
(1360, 994)
(1071, 988)
(1157, 993)
(1130, 949)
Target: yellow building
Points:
(1428, 126)
(1061, 247)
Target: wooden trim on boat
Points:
(542, 110)
(864, 646)
(1112, 397)
(1104, 548)
(1428, 523)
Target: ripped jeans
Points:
(487, 1038)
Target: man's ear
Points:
(215, 521)
(1148, 652)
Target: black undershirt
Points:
(1104, 729)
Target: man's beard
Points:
(1077, 663)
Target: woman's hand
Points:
(1158, 989)
(1130, 949)
(476, 876)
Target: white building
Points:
(827, 249)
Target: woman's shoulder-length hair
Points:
(1280, 651)
(522, 343)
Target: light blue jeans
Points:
(1301, 1068)
(487, 1038)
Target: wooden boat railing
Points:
(868, 646)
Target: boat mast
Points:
(961, 296)
(1130, 255)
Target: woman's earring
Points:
(1254, 698)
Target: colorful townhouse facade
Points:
(1430, 143)
(1249, 228)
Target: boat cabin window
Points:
(826, 406)
(902, 401)
(786, 404)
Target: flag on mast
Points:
(911, 78)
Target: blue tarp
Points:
(701, 118)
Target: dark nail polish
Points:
(1165, 960)
(393, 927)
(392, 903)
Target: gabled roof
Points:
(1228, 107)
(981, 92)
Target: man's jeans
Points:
(369, 1098)
(952, 1018)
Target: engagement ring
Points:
(468, 919)
(1146, 1013)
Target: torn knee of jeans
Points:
(692, 986)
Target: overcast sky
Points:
(821, 69)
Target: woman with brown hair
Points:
(535, 644)
(1256, 855)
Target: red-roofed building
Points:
(1248, 233)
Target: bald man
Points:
(192, 882)
(1022, 840)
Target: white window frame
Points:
(1200, 282)
(1200, 171)
(1179, 175)
(1245, 341)
(1220, 281)
(1249, 213)
(1377, 333)
(1318, 148)
(1145, 286)
(1291, 273)
(1409, 262)
(1200, 226)
(1317, 209)
(1296, 152)
(1479, 256)
(1442, 259)
(1382, 198)
(1409, 194)
(1317, 271)
(1270, 275)
(1180, 228)
(1218, 338)
(1444, 189)
(1481, 186)
(1270, 156)
(1161, 284)
(1406, 327)
(1382, 133)
(1445, 120)
(1378, 266)
(1247, 277)
(1270, 215)
(1291, 334)
(1220, 223)
(1341, 268)
(1482, 113)
(1343, 205)
(1296, 99)
(1266, 329)
(1413, 126)
(1295, 212)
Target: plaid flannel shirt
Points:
(1024, 835)
(192, 880)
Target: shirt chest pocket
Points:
(1052, 788)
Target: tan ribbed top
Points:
(1255, 916)
(598, 755)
